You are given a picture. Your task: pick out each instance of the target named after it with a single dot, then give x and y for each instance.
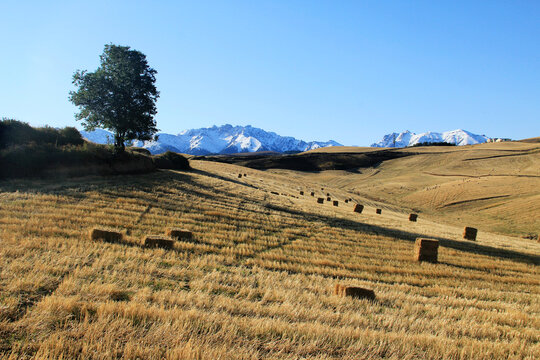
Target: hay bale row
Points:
(150, 241)
(426, 250)
(354, 292)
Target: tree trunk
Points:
(119, 146)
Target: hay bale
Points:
(426, 250)
(312, 193)
(358, 208)
(413, 217)
(106, 235)
(329, 199)
(245, 175)
(378, 211)
(354, 292)
(179, 233)
(239, 176)
(336, 203)
(158, 241)
(469, 233)
(346, 201)
(320, 201)
(327, 194)
(301, 193)
(274, 192)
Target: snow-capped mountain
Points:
(226, 139)
(407, 138)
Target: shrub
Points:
(140, 150)
(438, 143)
(171, 160)
(13, 133)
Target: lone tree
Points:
(119, 96)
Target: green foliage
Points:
(119, 96)
(13, 133)
(35, 160)
(171, 160)
(439, 143)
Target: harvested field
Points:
(258, 283)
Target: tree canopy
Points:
(119, 96)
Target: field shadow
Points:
(470, 247)
(77, 189)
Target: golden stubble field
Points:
(493, 186)
(257, 282)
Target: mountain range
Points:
(229, 139)
(407, 138)
(226, 139)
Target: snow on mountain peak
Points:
(223, 139)
(406, 138)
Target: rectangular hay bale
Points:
(426, 250)
(469, 233)
(358, 208)
(320, 201)
(336, 203)
(413, 217)
(106, 235)
(179, 233)
(378, 211)
(354, 292)
(158, 241)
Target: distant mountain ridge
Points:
(225, 139)
(407, 138)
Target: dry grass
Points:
(494, 185)
(258, 283)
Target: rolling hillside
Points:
(257, 280)
(493, 186)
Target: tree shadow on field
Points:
(77, 189)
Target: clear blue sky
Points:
(350, 71)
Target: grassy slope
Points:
(492, 186)
(257, 283)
